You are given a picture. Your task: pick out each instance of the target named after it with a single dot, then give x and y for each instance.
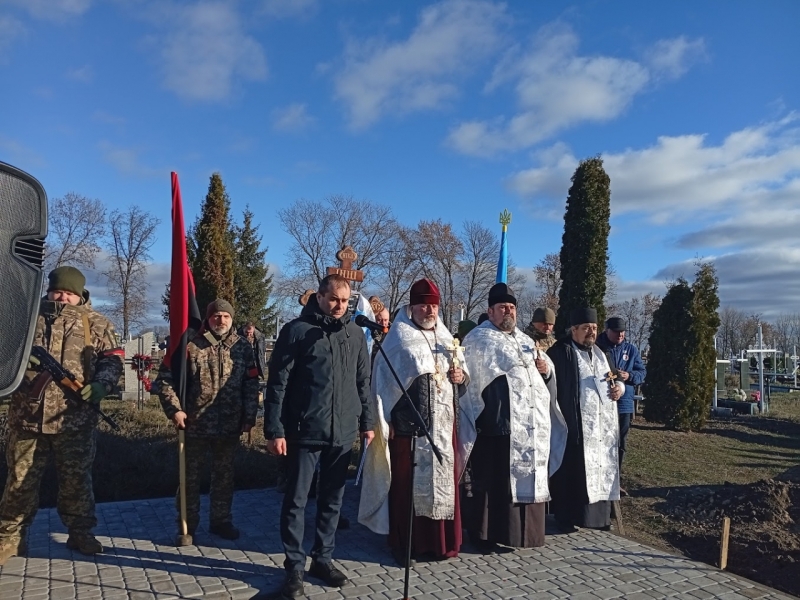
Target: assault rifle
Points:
(51, 370)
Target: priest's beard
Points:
(427, 323)
(507, 324)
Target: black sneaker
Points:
(293, 586)
(327, 573)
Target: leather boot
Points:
(84, 542)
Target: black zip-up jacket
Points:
(318, 382)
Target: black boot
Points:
(293, 586)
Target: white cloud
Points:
(84, 74)
(682, 177)
(557, 88)
(102, 116)
(673, 58)
(126, 161)
(53, 10)
(158, 274)
(739, 197)
(294, 117)
(10, 30)
(18, 154)
(207, 51)
(281, 9)
(756, 280)
(422, 71)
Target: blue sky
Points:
(454, 109)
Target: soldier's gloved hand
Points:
(94, 392)
(33, 363)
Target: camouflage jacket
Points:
(544, 341)
(63, 333)
(222, 386)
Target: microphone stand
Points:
(420, 428)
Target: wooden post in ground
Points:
(184, 537)
(618, 516)
(723, 548)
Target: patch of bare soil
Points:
(764, 532)
(765, 528)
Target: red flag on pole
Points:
(183, 312)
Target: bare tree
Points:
(436, 249)
(548, 278)
(320, 229)
(76, 224)
(131, 237)
(638, 315)
(478, 267)
(397, 269)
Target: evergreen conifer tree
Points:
(703, 356)
(212, 255)
(252, 279)
(680, 371)
(665, 386)
(584, 245)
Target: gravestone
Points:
(134, 389)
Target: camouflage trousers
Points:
(26, 456)
(222, 451)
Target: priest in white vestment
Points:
(518, 432)
(421, 350)
(588, 480)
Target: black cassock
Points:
(570, 502)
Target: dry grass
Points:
(141, 460)
(662, 466)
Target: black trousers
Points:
(301, 463)
(624, 428)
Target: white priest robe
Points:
(411, 354)
(538, 430)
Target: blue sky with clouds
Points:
(454, 109)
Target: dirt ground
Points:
(681, 486)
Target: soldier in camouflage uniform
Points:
(221, 403)
(84, 342)
(540, 328)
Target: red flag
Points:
(183, 312)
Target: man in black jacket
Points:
(316, 403)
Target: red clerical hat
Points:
(425, 292)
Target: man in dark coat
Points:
(588, 479)
(317, 401)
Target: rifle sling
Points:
(88, 348)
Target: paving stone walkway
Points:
(141, 562)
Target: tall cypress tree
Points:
(668, 364)
(213, 253)
(703, 356)
(680, 371)
(252, 279)
(584, 245)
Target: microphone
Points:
(363, 321)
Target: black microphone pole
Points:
(420, 424)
